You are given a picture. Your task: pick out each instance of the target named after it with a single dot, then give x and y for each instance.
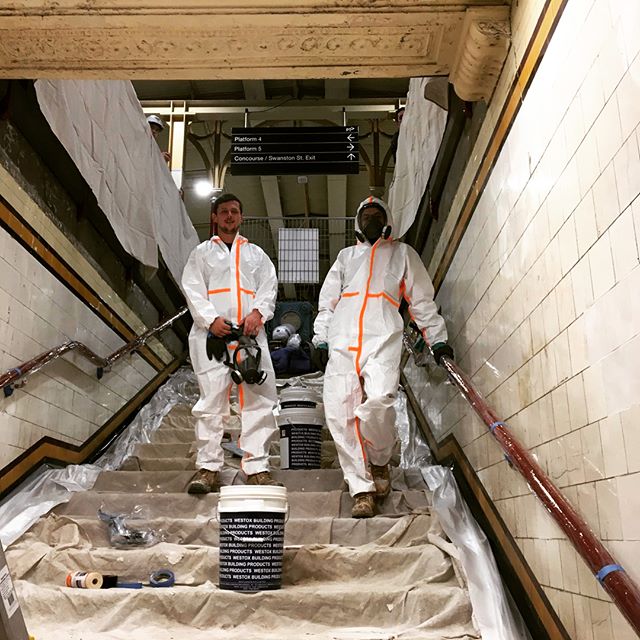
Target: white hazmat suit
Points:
(219, 282)
(358, 318)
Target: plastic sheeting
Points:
(495, 618)
(420, 136)
(52, 487)
(492, 612)
(102, 127)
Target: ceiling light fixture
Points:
(203, 188)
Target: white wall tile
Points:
(626, 165)
(629, 421)
(613, 446)
(624, 244)
(601, 264)
(628, 97)
(605, 199)
(609, 510)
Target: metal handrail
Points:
(609, 573)
(9, 378)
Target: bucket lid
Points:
(300, 393)
(300, 415)
(252, 491)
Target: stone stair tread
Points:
(58, 530)
(195, 565)
(171, 481)
(158, 450)
(380, 606)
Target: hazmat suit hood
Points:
(377, 203)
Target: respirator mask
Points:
(245, 364)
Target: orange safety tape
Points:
(238, 296)
(363, 308)
(212, 291)
(387, 297)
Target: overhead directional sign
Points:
(281, 151)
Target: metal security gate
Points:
(301, 248)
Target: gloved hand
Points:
(321, 356)
(441, 349)
(216, 347)
(419, 345)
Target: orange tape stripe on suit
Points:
(387, 297)
(238, 290)
(360, 334)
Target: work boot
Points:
(382, 480)
(204, 481)
(264, 478)
(364, 506)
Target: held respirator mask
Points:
(245, 363)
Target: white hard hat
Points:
(154, 119)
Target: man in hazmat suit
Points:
(229, 281)
(358, 337)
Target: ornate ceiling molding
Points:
(246, 39)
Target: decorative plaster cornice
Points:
(245, 39)
(484, 42)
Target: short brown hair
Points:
(227, 197)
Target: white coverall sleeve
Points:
(266, 289)
(327, 301)
(419, 293)
(202, 310)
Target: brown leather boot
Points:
(364, 506)
(263, 478)
(382, 480)
(204, 481)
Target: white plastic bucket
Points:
(301, 398)
(252, 520)
(300, 438)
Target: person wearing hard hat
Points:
(358, 338)
(157, 125)
(230, 281)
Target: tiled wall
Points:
(37, 312)
(543, 306)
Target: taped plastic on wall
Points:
(51, 487)
(492, 612)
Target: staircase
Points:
(380, 578)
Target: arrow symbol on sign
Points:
(350, 128)
(350, 147)
(350, 156)
(350, 137)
